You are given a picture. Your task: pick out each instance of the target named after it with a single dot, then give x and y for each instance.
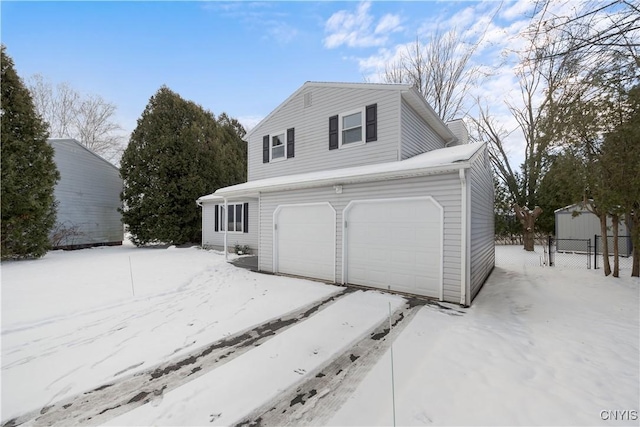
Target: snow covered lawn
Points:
(70, 321)
(539, 346)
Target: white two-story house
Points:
(362, 184)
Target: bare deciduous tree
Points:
(89, 119)
(596, 27)
(440, 69)
(95, 126)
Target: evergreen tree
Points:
(29, 173)
(620, 164)
(177, 153)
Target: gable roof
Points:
(432, 162)
(408, 93)
(67, 141)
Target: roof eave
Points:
(379, 176)
(422, 107)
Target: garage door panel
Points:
(305, 240)
(396, 243)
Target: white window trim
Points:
(284, 137)
(362, 126)
(222, 218)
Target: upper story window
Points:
(354, 127)
(278, 146)
(351, 125)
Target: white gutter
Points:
(253, 191)
(463, 238)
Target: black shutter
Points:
(265, 149)
(215, 228)
(290, 143)
(245, 218)
(333, 132)
(372, 122)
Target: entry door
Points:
(395, 244)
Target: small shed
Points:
(88, 198)
(575, 224)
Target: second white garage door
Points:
(395, 244)
(304, 240)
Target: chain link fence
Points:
(569, 253)
(625, 249)
(563, 253)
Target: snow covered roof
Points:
(436, 161)
(575, 206)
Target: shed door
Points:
(395, 244)
(304, 243)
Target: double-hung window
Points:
(278, 146)
(234, 220)
(351, 128)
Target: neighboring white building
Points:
(575, 224)
(362, 184)
(88, 197)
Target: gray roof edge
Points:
(78, 143)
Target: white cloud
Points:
(388, 24)
(356, 29)
(249, 122)
(518, 9)
(281, 32)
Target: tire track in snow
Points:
(316, 400)
(109, 400)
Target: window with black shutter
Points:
(245, 218)
(235, 218)
(372, 122)
(265, 149)
(333, 133)
(290, 143)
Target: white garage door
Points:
(305, 240)
(395, 244)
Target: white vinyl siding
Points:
(586, 225)
(417, 136)
(312, 131)
(215, 239)
(482, 242)
(444, 188)
(88, 195)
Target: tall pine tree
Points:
(29, 173)
(177, 153)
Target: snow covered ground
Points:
(539, 346)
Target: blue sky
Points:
(244, 57)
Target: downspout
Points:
(226, 220)
(446, 145)
(463, 237)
